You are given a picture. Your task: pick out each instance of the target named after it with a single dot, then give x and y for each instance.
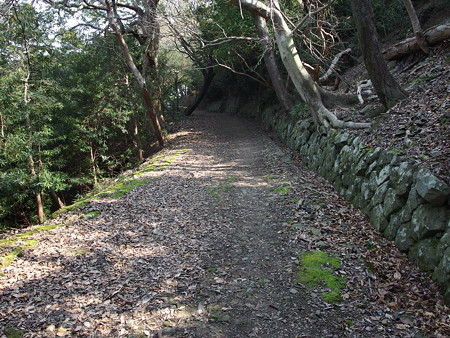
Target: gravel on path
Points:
(209, 247)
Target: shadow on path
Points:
(200, 251)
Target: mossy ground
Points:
(79, 204)
(220, 188)
(81, 252)
(20, 242)
(122, 188)
(13, 332)
(24, 236)
(317, 269)
(125, 184)
(283, 190)
(9, 258)
(158, 164)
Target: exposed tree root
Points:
(332, 99)
(330, 120)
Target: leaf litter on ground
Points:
(167, 259)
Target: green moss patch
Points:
(80, 252)
(20, 242)
(123, 188)
(317, 268)
(92, 214)
(159, 163)
(221, 188)
(116, 191)
(9, 258)
(72, 207)
(28, 244)
(219, 191)
(349, 322)
(283, 190)
(13, 332)
(24, 236)
(231, 179)
(126, 184)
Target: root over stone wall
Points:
(404, 201)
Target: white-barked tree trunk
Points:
(305, 85)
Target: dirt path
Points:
(208, 248)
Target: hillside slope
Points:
(419, 126)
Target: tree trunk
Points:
(93, 169)
(150, 31)
(202, 62)
(420, 37)
(433, 36)
(57, 200)
(305, 85)
(177, 95)
(386, 87)
(135, 71)
(38, 197)
(332, 99)
(134, 126)
(135, 136)
(271, 65)
(2, 126)
(40, 208)
(152, 113)
(26, 67)
(208, 76)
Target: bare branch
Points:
(259, 80)
(136, 9)
(333, 65)
(221, 41)
(5, 7)
(310, 14)
(86, 25)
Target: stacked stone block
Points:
(404, 201)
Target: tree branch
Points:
(310, 14)
(262, 82)
(333, 65)
(227, 39)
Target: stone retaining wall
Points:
(408, 204)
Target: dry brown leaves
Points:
(398, 290)
(418, 127)
(206, 249)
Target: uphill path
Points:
(210, 246)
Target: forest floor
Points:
(418, 127)
(210, 246)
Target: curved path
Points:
(208, 248)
